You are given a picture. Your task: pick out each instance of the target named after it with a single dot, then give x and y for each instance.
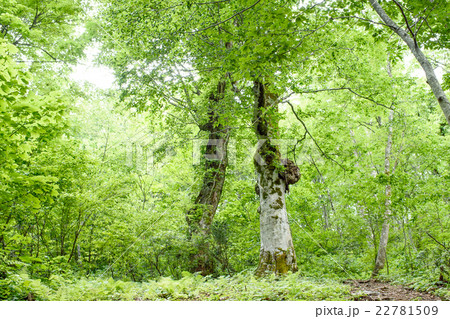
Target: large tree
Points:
(277, 253)
(210, 52)
(179, 69)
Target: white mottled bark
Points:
(420, 57)
(277, 253)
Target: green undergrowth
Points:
(243, 286)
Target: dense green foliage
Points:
(94, 185)
(190, 287)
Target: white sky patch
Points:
(418, 72)
(87, 71)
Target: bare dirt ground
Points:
(372, 290)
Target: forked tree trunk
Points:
(200, 217)
(384, 236)
(277, 254)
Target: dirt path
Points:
(372, 290)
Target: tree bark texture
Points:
(200, 217)
(277, 254)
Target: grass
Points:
(243, 286)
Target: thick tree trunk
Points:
(200, 217)
(277, 254)
(421, 58)
(384, 236)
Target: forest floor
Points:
(372, 290)
(242, 286)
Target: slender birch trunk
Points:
(277, 254)
(420, 57)
(384, 236)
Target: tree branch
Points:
(350, 90)
(432, 80)
(221, 22)
(359, 18)
(443, 245)
(407, 23)
(314, 140)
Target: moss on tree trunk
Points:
(277, 254)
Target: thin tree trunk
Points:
(200, 217)
(324, 213)
(277, 254)
(420, 57)
(384, 236)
